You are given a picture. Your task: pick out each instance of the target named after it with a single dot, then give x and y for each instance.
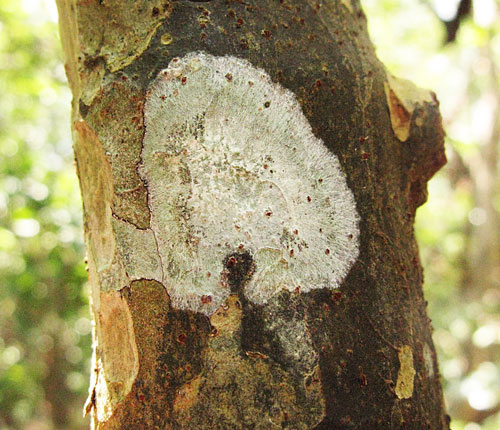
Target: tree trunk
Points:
(250, 174)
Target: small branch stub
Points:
(403, 97)
(231, 166)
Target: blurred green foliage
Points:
(44, 319)
(458, 229)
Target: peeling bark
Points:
(273, 348)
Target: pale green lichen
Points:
(119, 31)
(115, 276)
(231, 165)
(91, 81)
(132, 244)
(116, 117)
(406, 373)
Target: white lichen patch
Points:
(406, 373)
(232, 165)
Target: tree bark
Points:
(302, 329)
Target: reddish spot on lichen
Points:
(291, 253)
(205, 299)
(268, 213)
(183, 80)
(327, 251)
(182, 338)
(231, 262)
(318, 83)
(309, 199)
(365, 155)
(229, 77)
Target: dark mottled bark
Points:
(359, 357)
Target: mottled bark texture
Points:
(357, 357)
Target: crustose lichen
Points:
(232, 165)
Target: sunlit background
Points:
(44, 318)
